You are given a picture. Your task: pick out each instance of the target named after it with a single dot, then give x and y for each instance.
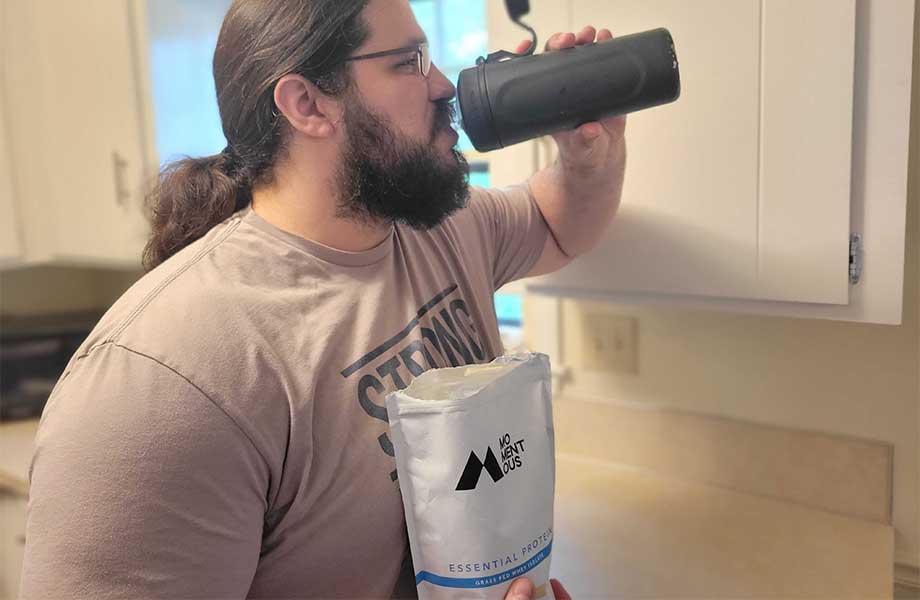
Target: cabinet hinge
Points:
(855, 258)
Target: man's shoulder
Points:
(201, 307)
(189, 319)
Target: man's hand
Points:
(579, 193)
(522, 589)
(592, 144)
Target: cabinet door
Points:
(12, 542)
(741, 188)
(10, 245)
(786, 253)
(77, 123)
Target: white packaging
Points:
(475, 459)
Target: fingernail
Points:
(522, 589)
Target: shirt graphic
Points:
(442, 334)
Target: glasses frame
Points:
(421, 49)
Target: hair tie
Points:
(231, 158)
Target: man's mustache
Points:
(445, 114)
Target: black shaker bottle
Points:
(509, 98)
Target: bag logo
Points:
(511, 460)
(473, 470)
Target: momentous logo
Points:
(512, 458)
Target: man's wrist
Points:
(612, 160)
(598, 175)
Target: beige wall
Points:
(838, 377)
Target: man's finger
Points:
(603, 35)
(521, 589)
(550, 41)
(523, 47)
(559, 591)
(558, 41)
(586, 35)
(590, 131)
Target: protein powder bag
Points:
(475, 458)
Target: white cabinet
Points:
(10, 246)
(12, 543)
(743, 194)
(740, 188)
(72, 80)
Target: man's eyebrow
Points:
(415, 41)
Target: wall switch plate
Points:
(610, 343)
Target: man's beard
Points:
(387, 177)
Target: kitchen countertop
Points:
(621, 532)
(624, 533)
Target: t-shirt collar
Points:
(337, 257)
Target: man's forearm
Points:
(579, 202)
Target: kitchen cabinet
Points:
(12, 542)
(16, 448)
(746, 193)
(77, 130)
(10, 246)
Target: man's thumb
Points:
(521, 589)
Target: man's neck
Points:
(305, 205)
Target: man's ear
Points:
(306, 108)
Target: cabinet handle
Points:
(119, 164)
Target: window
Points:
(182, 39)
(509, 309)
(457, 36)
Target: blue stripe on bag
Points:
(486, 581)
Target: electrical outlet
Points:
(610, 343)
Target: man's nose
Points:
(439, 86)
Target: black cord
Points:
(533, 35)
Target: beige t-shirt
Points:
(222, 431)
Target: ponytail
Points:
(191, 196)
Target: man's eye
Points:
(411, 61)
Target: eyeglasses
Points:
(422, 55)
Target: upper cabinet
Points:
(10, 245)
(72, 79)
(745, 194)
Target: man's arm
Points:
(580, 193)
(140, 487)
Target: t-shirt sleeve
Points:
(140, 487)
(512, 227)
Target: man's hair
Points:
(260, 41)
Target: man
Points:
(221, 433)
